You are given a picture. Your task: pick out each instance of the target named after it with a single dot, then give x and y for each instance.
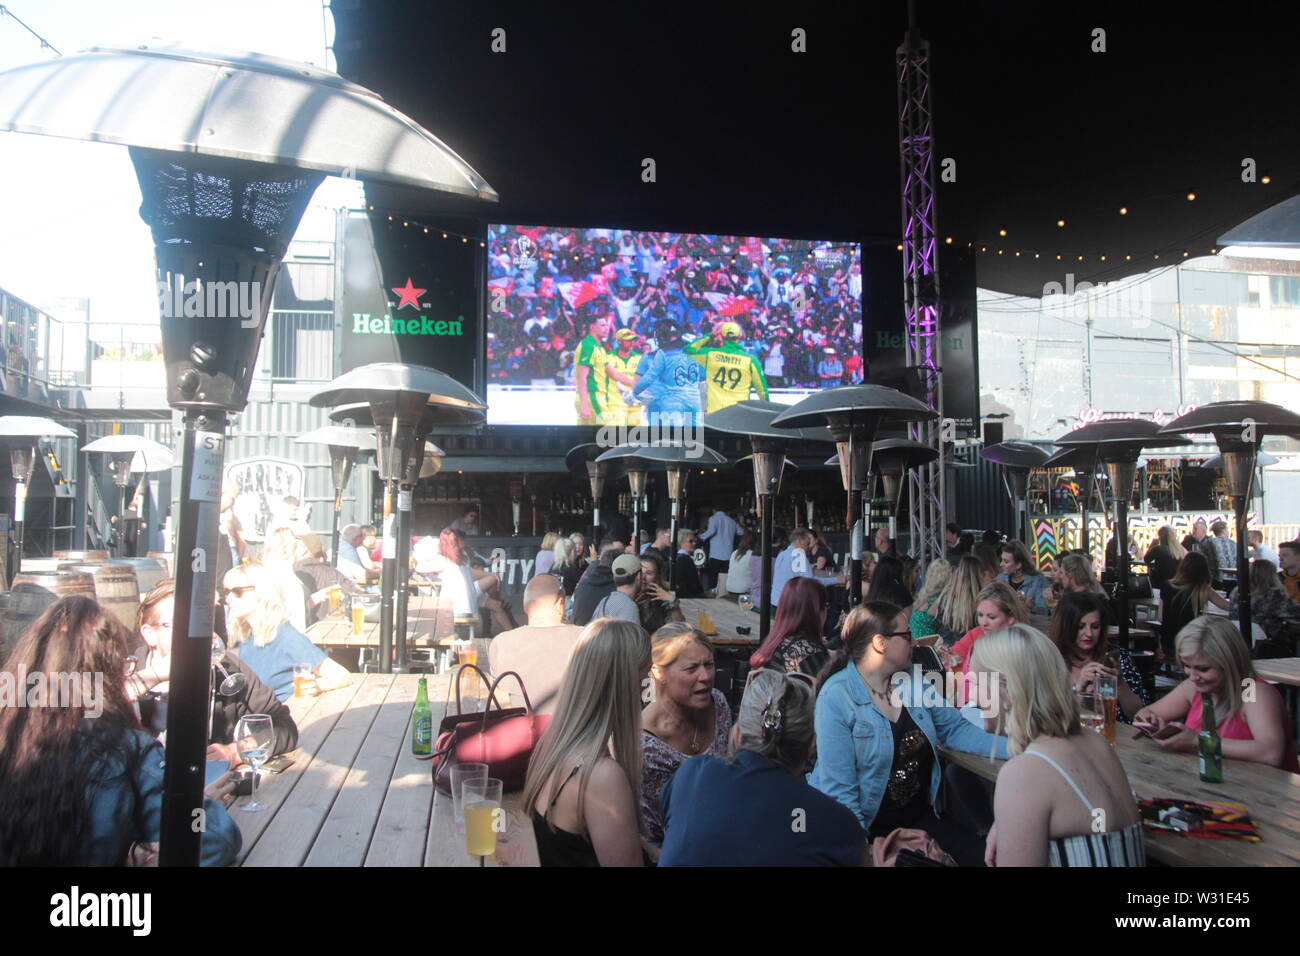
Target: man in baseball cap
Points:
(621, 602)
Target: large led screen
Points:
(624, 328)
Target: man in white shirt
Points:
(796, 562)
(348, 561)
(721, 534)
(1258, 550)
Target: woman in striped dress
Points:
(1063, 798)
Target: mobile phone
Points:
(278, 764)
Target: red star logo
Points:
(409, 295)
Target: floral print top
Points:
(659, 761)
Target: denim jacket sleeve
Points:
(836, 774)
(958, 733)
(1035, 589)
(221, 838)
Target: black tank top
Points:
(556, 847)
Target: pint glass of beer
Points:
(336, 598)
(303, 677)
(358, 618)
(1108, 701)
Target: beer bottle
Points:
(1209, 744)
(422, 724)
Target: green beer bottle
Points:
(422, 724)
(1209, 744)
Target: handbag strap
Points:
(491, 685)
(528, 704)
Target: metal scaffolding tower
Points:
(921, 285)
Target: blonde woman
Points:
(278, 555)
(959, 598)
(546, 554)
(688, 715)
(1071, 804)
(762, 788)
(584, 776)
(261, 634)
(1163, 556)
(924, 621)
(1248, 712)
(565, 564)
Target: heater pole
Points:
(121, 521)
(1121, 564)
(672, 565)
(338, 507)
(403, 567)
(388, 577)
(20, 508)
(202, 452)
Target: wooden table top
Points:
(425, 623)
(1283, 670)
(1271, 797)
(356, 796)
(726, 617)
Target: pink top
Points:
(963, 650)
(1238, 729)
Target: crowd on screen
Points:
(800, 316)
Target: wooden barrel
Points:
(148, 571)
(43, 564)
(83, 557)
(32, 593)
(115, 588)
(168, 559)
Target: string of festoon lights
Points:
(1174, 251)
(411, 222)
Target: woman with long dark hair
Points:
(1020, 571)
(82, 782)
(1192, 589)
(795, 641)
(888, 585)
(879, 733)
(1079, 633)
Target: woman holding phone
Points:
(1249, 714)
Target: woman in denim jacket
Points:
(879, 729)
(82, 783)
(1020, 571)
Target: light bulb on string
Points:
(1060, 223)
(1123, 210)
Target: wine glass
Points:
(231, 684)
(254, 739)
(746, 602)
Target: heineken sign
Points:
(411, 296)
(365, 324)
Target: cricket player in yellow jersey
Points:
(589, 379)
(620, 378)
(730, 371)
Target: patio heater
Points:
(127, 455)
(344, 444)
(22, 433)
(403, 403)
(894, 458)
(678, 459)
(768, 462)
(1238, 429)
(854, 413)
(628, 457)
(1083, 459)
(581, 460)
(1118, 446)
(1018, 459)
(228, 151)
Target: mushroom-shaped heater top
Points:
(1118, 446)
(754, 418)
(894, 457)
(405, 402)
(23, 432)
(853, 414)
(1017, 458)
(131, 454)
(1238, 429)
(581, 461)
(677, 458)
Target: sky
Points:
(72, 227)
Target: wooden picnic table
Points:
(727, 616)
(1271, 797)
(424, 620)
(356, 796)
(1283, 670)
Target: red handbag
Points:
(502, 738)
